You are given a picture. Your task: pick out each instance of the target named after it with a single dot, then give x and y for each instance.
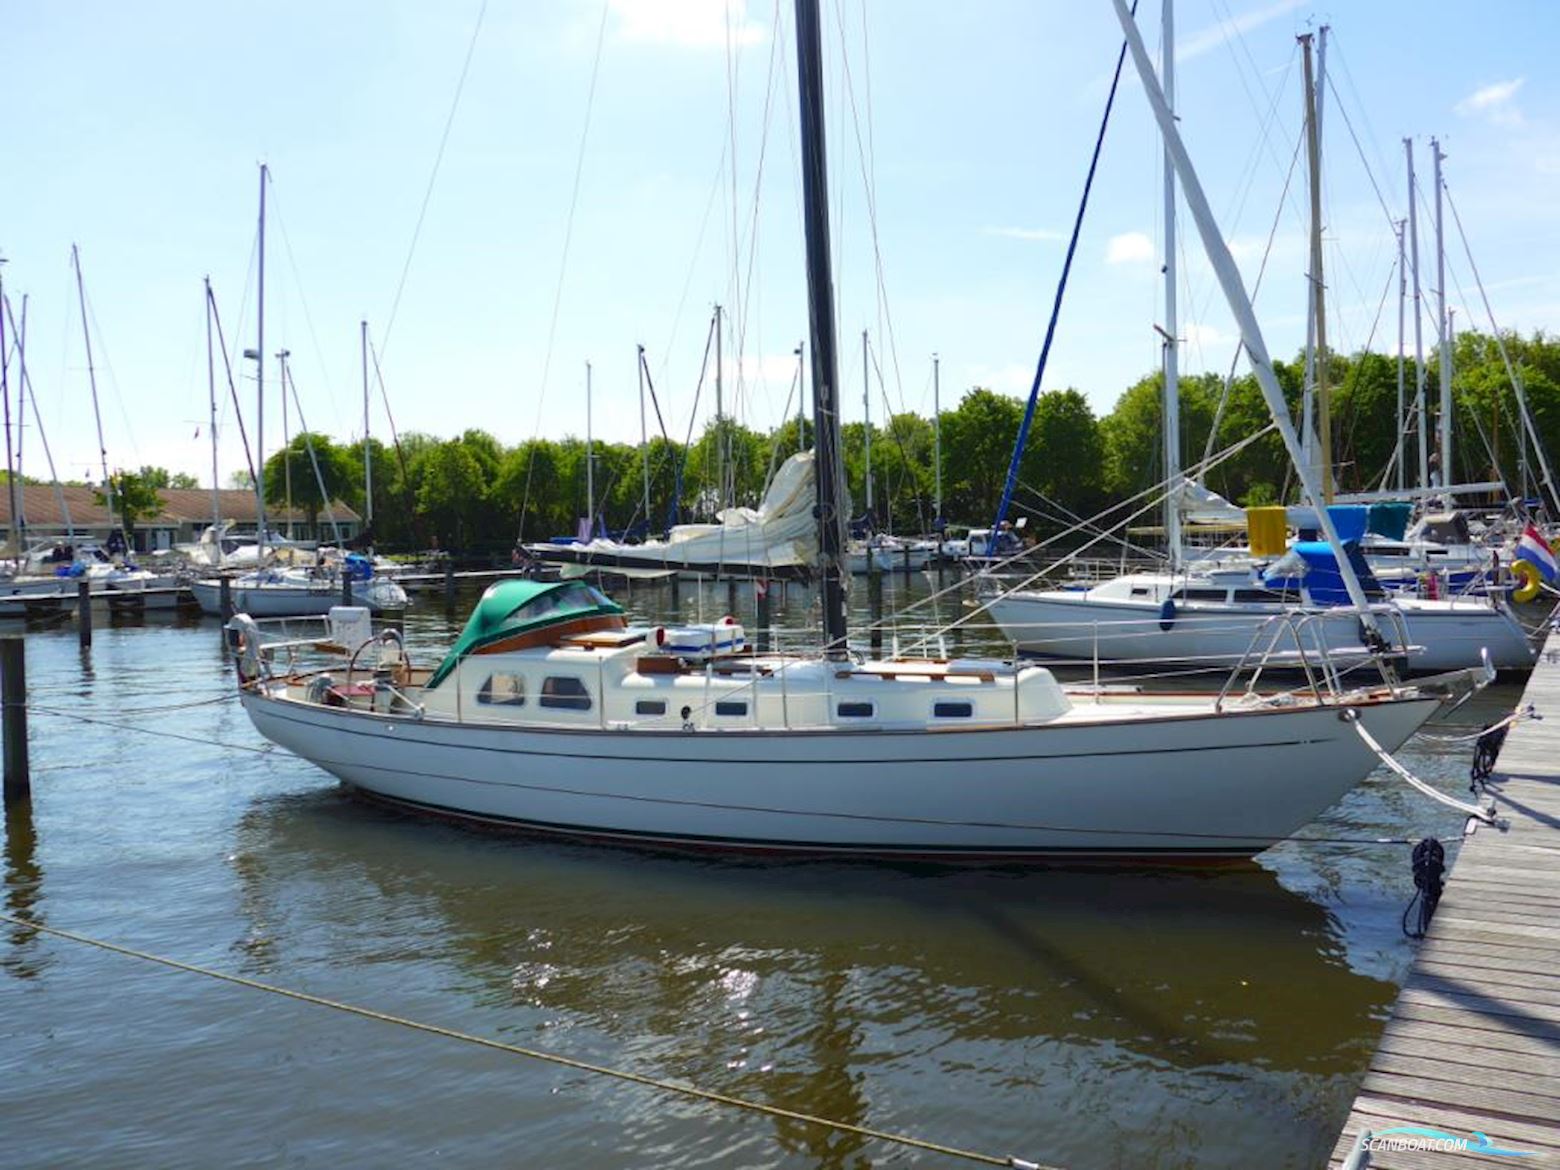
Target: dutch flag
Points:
(1534, 549)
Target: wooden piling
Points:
(875, 604)
(449, 582)
(13, 717)
(346, 585)
(761, 615)
(84, 612)
(731, 595)
(225, 598)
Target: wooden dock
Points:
(1473, 1043)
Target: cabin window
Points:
(730, 707)
(856, 710)
(564, 692)
(1139, 591)
(952, 710)
(1257, 595)
(650, 707)
(502, 690)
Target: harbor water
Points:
(1074, 1017)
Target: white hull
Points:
(1447, 635)
(289, 600)
(889, 560)
(1187, 786)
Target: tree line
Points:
(473, 493)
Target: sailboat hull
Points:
(1444, 635)
(1180, 787)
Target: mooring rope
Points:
(554, 1058)
(1483, 815)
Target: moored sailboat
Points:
(553, 714)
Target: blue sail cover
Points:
(1322, 577)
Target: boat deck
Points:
(1473, 1043)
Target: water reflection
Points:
(23, 883)
(828, 988)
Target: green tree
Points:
(292, 467)
(133, 496)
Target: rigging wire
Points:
(433, 175)
(563, 260)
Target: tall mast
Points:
(368, 455)
(1402, 427)
(1318, 285)
(43, 437)
(936, 443)
(590, 464)
(1443, 326)
(281, 362)
(21, 416)
(5, 393)
(1419, 339)
(260, 376)
(722, 453)
(820, 316)
(97, 414)
(211, 391)
(1172, 406)
(1228, 275)
(866, 406)
(644, 435)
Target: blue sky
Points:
(136, 131)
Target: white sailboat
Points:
(1214, 616)
(270, 590)
(552, 714)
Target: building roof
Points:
(40, 506)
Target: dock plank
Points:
(1473, 1041)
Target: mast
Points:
(368, 455)
(1318, 286)
(27, 391)
(1172, 379)
(1403, 303)
(937, 443)
(97, 414)
(801, 397)
(5, 393)
(1443, 326)
(1419, 340)
(866, 406)
(260, 379)
(644, 435)
(211, 391)
(21, 417)
(722, 453)
(590, 464)
(281, 362)
(1228, 274)
(820, 315)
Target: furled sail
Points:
(779, 538)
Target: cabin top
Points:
(509, 609)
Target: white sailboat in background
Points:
(1211, 615)
(552, 714)
(274, 590)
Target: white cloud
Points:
(1494, 101)
(1210, 38)
(1013, 379)
(1044, 235)
(1205, 336)
(1129, 248)
(691, 24)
